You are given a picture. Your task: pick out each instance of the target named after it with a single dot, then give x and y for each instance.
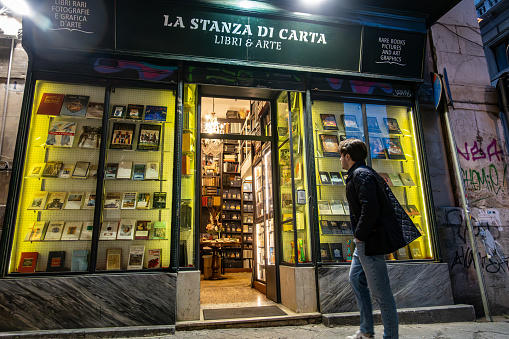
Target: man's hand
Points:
(357, 240)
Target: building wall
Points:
(456, 45)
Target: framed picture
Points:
(149, 137)
(325, 252)
(135, 112)
(394, 149)
(373, 125)
(325, 178)
(122, 136)
(377, 148)
(81, 170)
(350, 123)
(118, 112)
(330, 145)
(392, 125)
(336, 178)
(329, 122)
(336, 251)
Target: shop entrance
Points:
(236, 224)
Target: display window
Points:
(393, 153)
(56, 220)
(293, 195)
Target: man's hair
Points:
(355, 147)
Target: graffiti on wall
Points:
(484, 172)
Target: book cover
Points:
(336, 251)
(325, 252)
(79, 262)
(337, 207)
(346, 207)
(80, 170)
(325, 178)
(111, 171)
(142, 230)
(412, 210)
(346, 227)
(392, 125)
(113, 259)
(396, 181)
(54, 230)
(27, 262)
(134, 112)
(350, 123)
(387, 179)
(155, 113)
(143, 201)
(52, 169)
(112, 200)
(95, 110)
(38, 231)
(56, 200)
(139, 172)
(72, 230)
(38, 200)
(373, 126)
(126, 229)
(377, 148)
(92, 172)
(109, 230)
(75, 105)
(89, 202)
(86, 230)
(122, 136)
(154, 258)
(159, 230)
(406, 179)
(149, 137)
(66, 171)
(61, 133)
(403, 253)
(36, 170)
(90, 137)
(393, 148)
(56, 261)
(323, 207)
(159, 200)
(129, 200)
(334, 225)
(336, 178)
(74, 201)
(29, 233)
(325, 225)
(51, 104)
(124, 170)
(330, 145)
(329, 122)
(152, 171)
(136, 255)
(118, 112)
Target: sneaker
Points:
(359, 335)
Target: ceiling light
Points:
(18, 6)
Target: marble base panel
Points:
(87, 301)
(413, 285)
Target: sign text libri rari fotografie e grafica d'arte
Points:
(256, 36)
(70, 14)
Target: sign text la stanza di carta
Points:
(243, 32)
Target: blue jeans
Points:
(369, 273)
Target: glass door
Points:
(259, 223)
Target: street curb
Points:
(107, 332)
(419, 315)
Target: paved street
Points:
(472, 330)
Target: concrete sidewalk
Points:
(463, 330)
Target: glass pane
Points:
(270, 253)
(188, 201)
(57, 198)
(333, 122)
(393, 151)
(136, 211)
(260, 223)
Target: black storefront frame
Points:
(109, 84)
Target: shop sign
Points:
(168, 28)
(69, 24)
(392, 52)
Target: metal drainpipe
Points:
(6, 97)
(466, 210)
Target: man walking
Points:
(370, 210)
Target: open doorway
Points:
(236, 224)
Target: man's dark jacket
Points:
(376, 215)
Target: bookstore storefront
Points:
(209, 129)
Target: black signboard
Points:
(168, 28)
(392, 52)
(73, 25)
